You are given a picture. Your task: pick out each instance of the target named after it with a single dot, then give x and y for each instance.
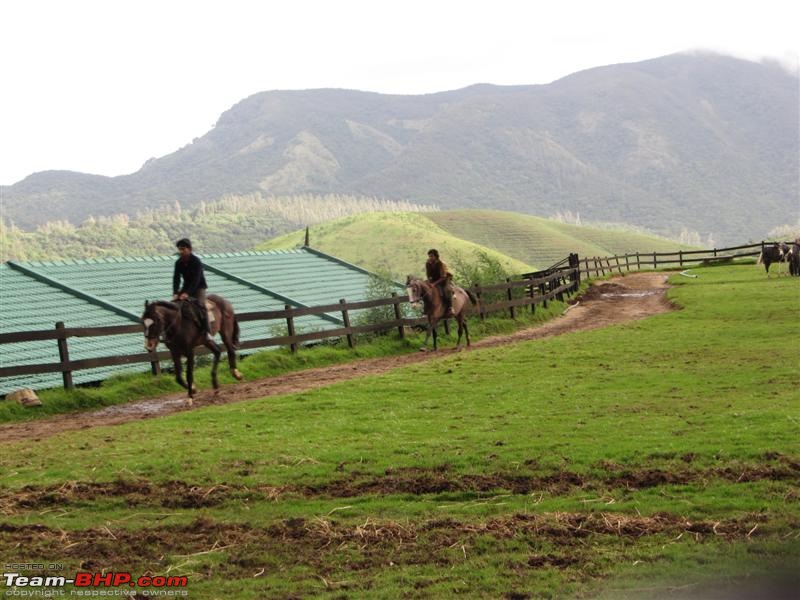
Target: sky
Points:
(101, 86)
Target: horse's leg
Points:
(466, 329)
(216, 351)
(427, 335)
(434, 323)
(460, 321)
(176, 360)
(227, 338)
(190, 375)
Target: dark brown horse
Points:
(774, 253)
(433, 306)
(171, 323)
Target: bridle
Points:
(158, 325)
(421, 290)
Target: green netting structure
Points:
(112, 291)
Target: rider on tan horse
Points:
(438, 275)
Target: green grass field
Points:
(655, 459)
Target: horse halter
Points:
(156, 322)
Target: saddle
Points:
(191, 310)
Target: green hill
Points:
(543, 242)
(397, 242)
(393, 243)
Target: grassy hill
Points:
(543, 242)
(393, 243)
(397, 242)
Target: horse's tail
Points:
(471, 296)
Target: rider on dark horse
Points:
(189, 268)
(437, 274)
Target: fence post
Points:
(400, 329)
(619, 266)
(290, 327)
(544, 294)
(479, 296)
(63, 354)
(531, 293)
(654, 260)
(715, 251)
(638, 262)
(346, 319)
(510, 297)
(680, 257)
(575, 276)
(627, 262)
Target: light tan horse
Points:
(433, 306)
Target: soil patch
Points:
(322, 543)
(415, 481)
(608, 303)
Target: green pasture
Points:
(660, 458)
(268, 363)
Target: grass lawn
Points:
(657, 458)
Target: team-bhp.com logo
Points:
(93, 580)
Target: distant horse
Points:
(776, 253)
(433, 306)
(180, 332)
(793, 258)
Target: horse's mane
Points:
(160, 303)
(165, 304)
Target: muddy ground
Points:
(623, 299)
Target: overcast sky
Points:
(100, 86)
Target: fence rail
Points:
(600, 266)
(546, 286)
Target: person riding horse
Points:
(437, 274)
(189, 268)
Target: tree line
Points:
(230, 224)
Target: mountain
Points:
(702, 141)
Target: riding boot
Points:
(205, 329)
(448, 306)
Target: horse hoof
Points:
(188, 402)
(237, 374)
(423, 349)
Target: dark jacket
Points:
(436, 271)
(192, 273)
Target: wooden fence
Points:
(600, 266)
(534, 289)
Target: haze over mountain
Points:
(702, 141)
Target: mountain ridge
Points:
(701, 141)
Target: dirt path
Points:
(620, 300)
